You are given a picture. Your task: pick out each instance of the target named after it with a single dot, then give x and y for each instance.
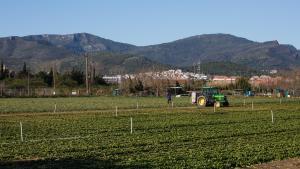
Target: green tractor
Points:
(209, 96)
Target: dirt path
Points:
(292, 163)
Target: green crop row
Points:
(163, 137)
(36, 105)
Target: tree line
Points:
(68, 79)
(141, 84)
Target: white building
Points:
(112, 79)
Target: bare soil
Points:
(292, 163)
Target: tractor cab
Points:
(210, 90)
(209, 96)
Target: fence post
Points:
(252, 105)
(272, 116)
(214, 108)
(21, 131)
(55, 108)
(116, 111)
(131, 125)
(280, 101)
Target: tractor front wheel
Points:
(217, 104)
(226, 104)
(201, 101)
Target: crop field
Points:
(146, 132)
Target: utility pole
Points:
(28, 76)
(54, 72)
(86, 74)
(93, 72)
(199, 67)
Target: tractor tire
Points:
(226, 104)
(201, 101)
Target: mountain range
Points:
(40, 52)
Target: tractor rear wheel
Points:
(226, 104)
(201, 101)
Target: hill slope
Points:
(223, 47)
(40, 51)
(223, 68)
(81, 42)
(112, 63)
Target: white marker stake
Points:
(252, 105)
(272, 116)
(131, 125)
(172, 104)
(137, 105)
(280, 101)
(116, 111)
(55, 108)
(21, 130)
(244, 102)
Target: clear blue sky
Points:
(145, 22)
